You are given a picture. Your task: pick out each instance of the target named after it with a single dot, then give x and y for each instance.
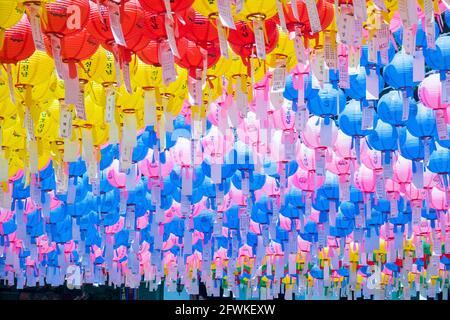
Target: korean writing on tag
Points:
(357, 32)
(279, 79)
(223, 43)
(259, 39)
(130, 217)
(331, 55)
(195, 91)
(416, 212)
(299, 47)
(372, 52)
(441, 125)
(116, 27)
(80, 106)
(320, 162)
(383, 37)
(313, 16)
(61, 68)
(71, 90)
(367, 116)
(380, 186)
(360, 9)
(29, 125)
(346, 28)
(445, 90)
(405, 106)
(65, 121)
(289, 145)
(408, 41)
(318, 69)
(126, 77)
(110, 104)
(167, 62)
(35, 22)
(394, 208)
(429, 25)
(225, 14)
(281, 15)
(171, 37)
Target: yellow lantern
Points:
(10, 13)
(257, 9)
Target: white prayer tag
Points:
(71, 91)
(126, 77)
(80, 106)
(344, 80)
(281, 15)
(224, 52)
(360, 9)
(29, 125)
(300, 49)
(367, 117)
(441, 125)
(116, 27)
(110, 104)
(65, 121)
(372, 89)
(167, 62)
(408, 41)
(445, 90)
(149, 108)
(225, 14)
(70, 150)
(35, 22)
(372, 52)
(313, 16)
(61, 68)
(171, 37)
(278, 79)
(295, 9)
(3, 167)
(258, 26)
(418, 66)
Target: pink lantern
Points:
(402, 172)
(343, 146)
(116, 178)
(217, 144)
(438, 200)
(430, 92)
(149, 168)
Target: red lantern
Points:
(198, 28)
(150, 54)
(192, 56)
(158, 6)
(324, 9)
(156, 26)
(75, 48)
(132, 21)
(65, 17)
(18, 42)
(242, 40)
